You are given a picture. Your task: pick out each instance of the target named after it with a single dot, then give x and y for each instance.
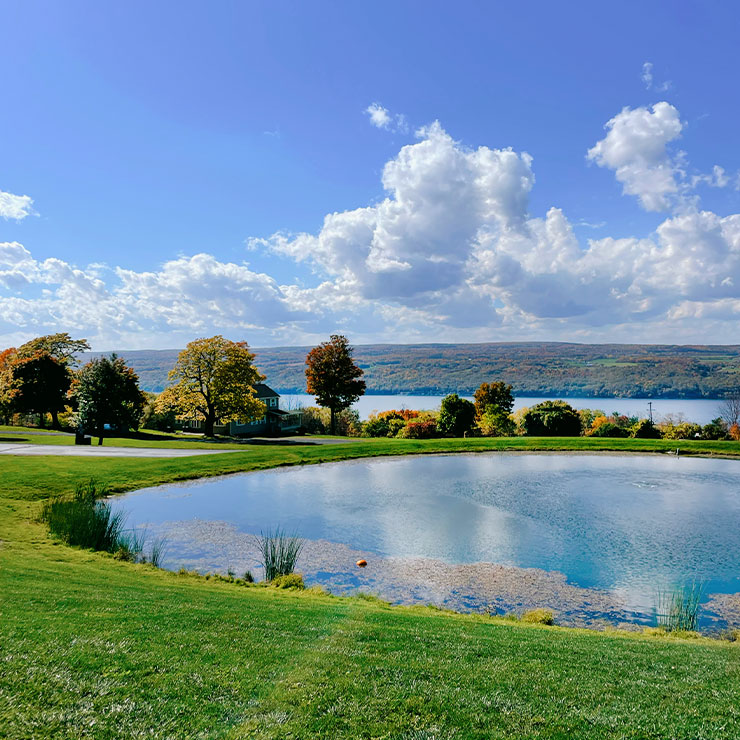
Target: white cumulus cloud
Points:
(379, 116)
(636, 148)
(197, 294)
(451, 252)
(15, 207)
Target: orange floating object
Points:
(361, 563)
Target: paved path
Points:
(24, 432)
(297, 440)
(14, 448)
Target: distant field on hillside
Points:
(533, 368)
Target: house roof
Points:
(264, 391)
(278, 412)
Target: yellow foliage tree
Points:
(213, 380)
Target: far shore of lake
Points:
(699, 410)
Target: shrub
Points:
(552, 419)
(387, 423)
(588, 417)
(421, 429)
(279, 553)
(317, 420)
(538, 616)
(716, 429)
(645, 429)
(84, 520)
(608, 429)
(248, 577)
(292, 581)
(684, 430)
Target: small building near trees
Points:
(276, 421)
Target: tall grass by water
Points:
(677, 609)
(84, 520)
(279, 552)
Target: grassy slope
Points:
(91, 647)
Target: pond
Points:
(592, 536)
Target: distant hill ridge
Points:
(533, 368)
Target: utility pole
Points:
(650, 408)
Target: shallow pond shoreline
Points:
(482, 587)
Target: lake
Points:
(700, 410)
(593, 536)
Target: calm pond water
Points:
(624, 524)
(698, 410)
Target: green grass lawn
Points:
(373, 446)
(96, 648)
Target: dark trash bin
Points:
(82, 439)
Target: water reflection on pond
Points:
(623, 525)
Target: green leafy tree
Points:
(456, 416)
(35, 370)
(213, 380)
(40, 384)
(716, 429)
(152, 418)
(60, 346)
(7, 388)
(645, 429)
(107, 393)
(552, 419)
(493, 404)
(497, 394)
(333, 377)
(494, 422)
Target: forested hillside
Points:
(533, 368)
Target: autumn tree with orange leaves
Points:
(333, 377)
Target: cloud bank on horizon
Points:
(451, 253)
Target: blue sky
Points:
(181, 159)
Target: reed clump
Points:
(279, 552)
(84, 520)
(677, 609)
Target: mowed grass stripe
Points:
(398, 671)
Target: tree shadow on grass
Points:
(196, 439)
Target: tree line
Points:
(214, 381)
